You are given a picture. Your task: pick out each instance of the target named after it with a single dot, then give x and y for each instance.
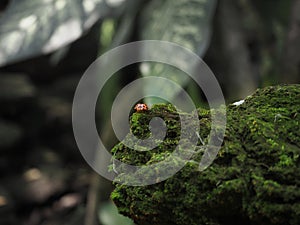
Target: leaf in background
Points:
(108, 215)
(127, 23)
(185, 22)
(32, 27)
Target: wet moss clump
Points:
(255, 178)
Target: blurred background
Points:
(45, 47)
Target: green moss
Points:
(255, 178)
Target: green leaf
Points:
(33, 27)
(108, 215)
(185, 22)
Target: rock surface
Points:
(255, 178)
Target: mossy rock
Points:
(255, 178)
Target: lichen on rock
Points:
(255, 178)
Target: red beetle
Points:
(140, 107)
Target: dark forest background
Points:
(248, 44)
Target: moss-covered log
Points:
(255, 178)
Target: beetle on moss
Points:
(141, 107)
